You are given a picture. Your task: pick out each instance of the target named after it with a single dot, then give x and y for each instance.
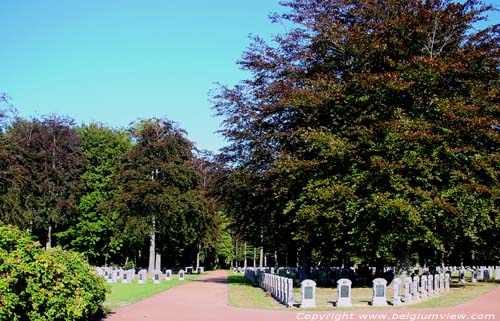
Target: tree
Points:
(95, 233)
(158, 189)
(45, 174)
(374, 125)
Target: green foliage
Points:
(94, 233)
(368, 130)
(45, 285)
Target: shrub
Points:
(45, 285)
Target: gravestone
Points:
(142, 276)
(497, 274)
(461, 276)
(486, 275)
(408, 289)
(474, 276)
(436, 284)
(480, 275)
(189, 270)
(414, 289)
(344, 293)
(441, 282)
(397, 292)
(168, 275)
(291, 299)
(111, 277)
(125, 279)
(423, 286)
(379, 292)
(447, 281)
(430, 285)
(308, 292)
(200, 270)
(157, 277)
(181, 275)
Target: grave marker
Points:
(344, 293)
(142, 276)
(157, 277)
(379, 292)
(408, 289)
(397, 292)
(308, 291)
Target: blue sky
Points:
(116, 61)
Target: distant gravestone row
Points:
(114, 275)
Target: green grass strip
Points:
(124, 294)
(244, 295)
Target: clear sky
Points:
(115, 61)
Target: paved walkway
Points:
(205, 299)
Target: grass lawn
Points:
(243, 294)
(123, 294)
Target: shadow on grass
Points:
(238, 279)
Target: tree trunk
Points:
(254, 257)
(245, 255)
(198, 257)
(48, 245)
(152, 250)
(261, 259)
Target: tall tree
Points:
(376, 126)
(95, 232)
(157, 185)
(47, 169)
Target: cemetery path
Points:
(205, 299)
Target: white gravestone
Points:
(308, 291)
(181, 275)
(168, 275)
(344, 293)
(397, 291)
(430, 285)
(291, 299)
(157, 277)
(142, 276)
(414, 289)
(379, 297)
(408, 289)
(423, 286)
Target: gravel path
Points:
(205, 299)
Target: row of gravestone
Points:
(127, 276)
(281, 288)
(415, 289)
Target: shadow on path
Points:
(212, 280)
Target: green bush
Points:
(45, 285)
